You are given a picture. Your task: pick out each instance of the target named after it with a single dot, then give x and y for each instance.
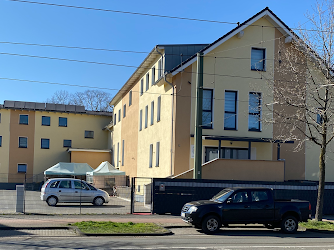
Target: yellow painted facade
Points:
(4, 149)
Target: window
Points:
(157, 154)
(45, 143)
(141, 86)
(211, 153)
(89, 134)
(152, 112)
(123, 153)
(117, 154)
(319, 116)
(147, 81)
(230, 116)
(80, 185)
(67, 143)
(259, 196)
(258, 59)
(23, 142)
(62, 122)
(151, 155)
(130, 98)
(45, 120)
(115, 119)
(54, 184)
(159, 109)
(113, 155)
(146, 115)
(240, 197)
(22, 168)
(119, 115)
(124, 110)
(0, 117)
(140, 119)
(65, 184)
(0, 141)
(159, 69)
(153, 76)
(24, 119)
(254, 116)
(207, 109)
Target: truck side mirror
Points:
(229, 200)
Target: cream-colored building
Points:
(154, 112)
(36, 136)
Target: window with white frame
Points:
(115, 120)
(24, 119)
(258, 60)
(141, 86)
(152, 112)
(160, 69)
(159, 109)
(123, 153)
(207, 108)
(140, 119)
(130, 98)
(230, 115)
(153, 76)
(23, 142)
(119, 115)
(157, 154)
(22, 168)
(254, 115)
(146, 116)
(124, 110)
(151, 156)
(147, 81)
(89, 134)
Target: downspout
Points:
(171, 146)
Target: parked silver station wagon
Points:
(72, 191)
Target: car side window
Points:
(259, 196)
(240, 197)
(91, 187)
(80, 185)
(65, 184)
(54, 184)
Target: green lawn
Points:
(319, 225)
(109, 227)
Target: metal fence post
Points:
(133, 186)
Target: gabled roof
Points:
(266, 12)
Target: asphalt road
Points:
(184, 238)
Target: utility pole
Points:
(198, 118)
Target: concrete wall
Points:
(245, 170)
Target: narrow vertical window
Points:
(0, 140)
(153, 76)
(254, 115)
(146, 116)
(130, 98)
(113, 154)
(258, 59)
(159, 69)
(124, 110)
(119, 115)
(141, 86)
(117, 154)
(230, 116)
(140, 119)
(159, 109)
(147, 81)
(151, 155)
(152, 112)
(207, 109)
(115, 119)
(0, 117)
(157, 154)
(123, 153)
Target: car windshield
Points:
(91, 187)
(222, 195)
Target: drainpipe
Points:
(171, 146)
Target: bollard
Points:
(20, 198)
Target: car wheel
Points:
(289, 224)
(211, 224)
(98, 201)
(52, 201)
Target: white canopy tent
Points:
(105, 168)
(72, 169)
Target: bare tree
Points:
(303, 92)
(95, 100)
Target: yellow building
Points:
(36, 136)
(154, 112)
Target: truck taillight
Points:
(309, 206)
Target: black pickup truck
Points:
(246, 206)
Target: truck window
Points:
(259, 196)
(240, 197)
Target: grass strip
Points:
(109, 227)
(318, 225)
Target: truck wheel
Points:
(211, 224)
(289, 224)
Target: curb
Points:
(125, 234)
(320, 231)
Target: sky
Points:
(52, 25)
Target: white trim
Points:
(88, 150)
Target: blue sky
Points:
(40, 24)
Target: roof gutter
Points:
(172, 132)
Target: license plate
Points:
(183, 214)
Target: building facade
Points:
(36, 136)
